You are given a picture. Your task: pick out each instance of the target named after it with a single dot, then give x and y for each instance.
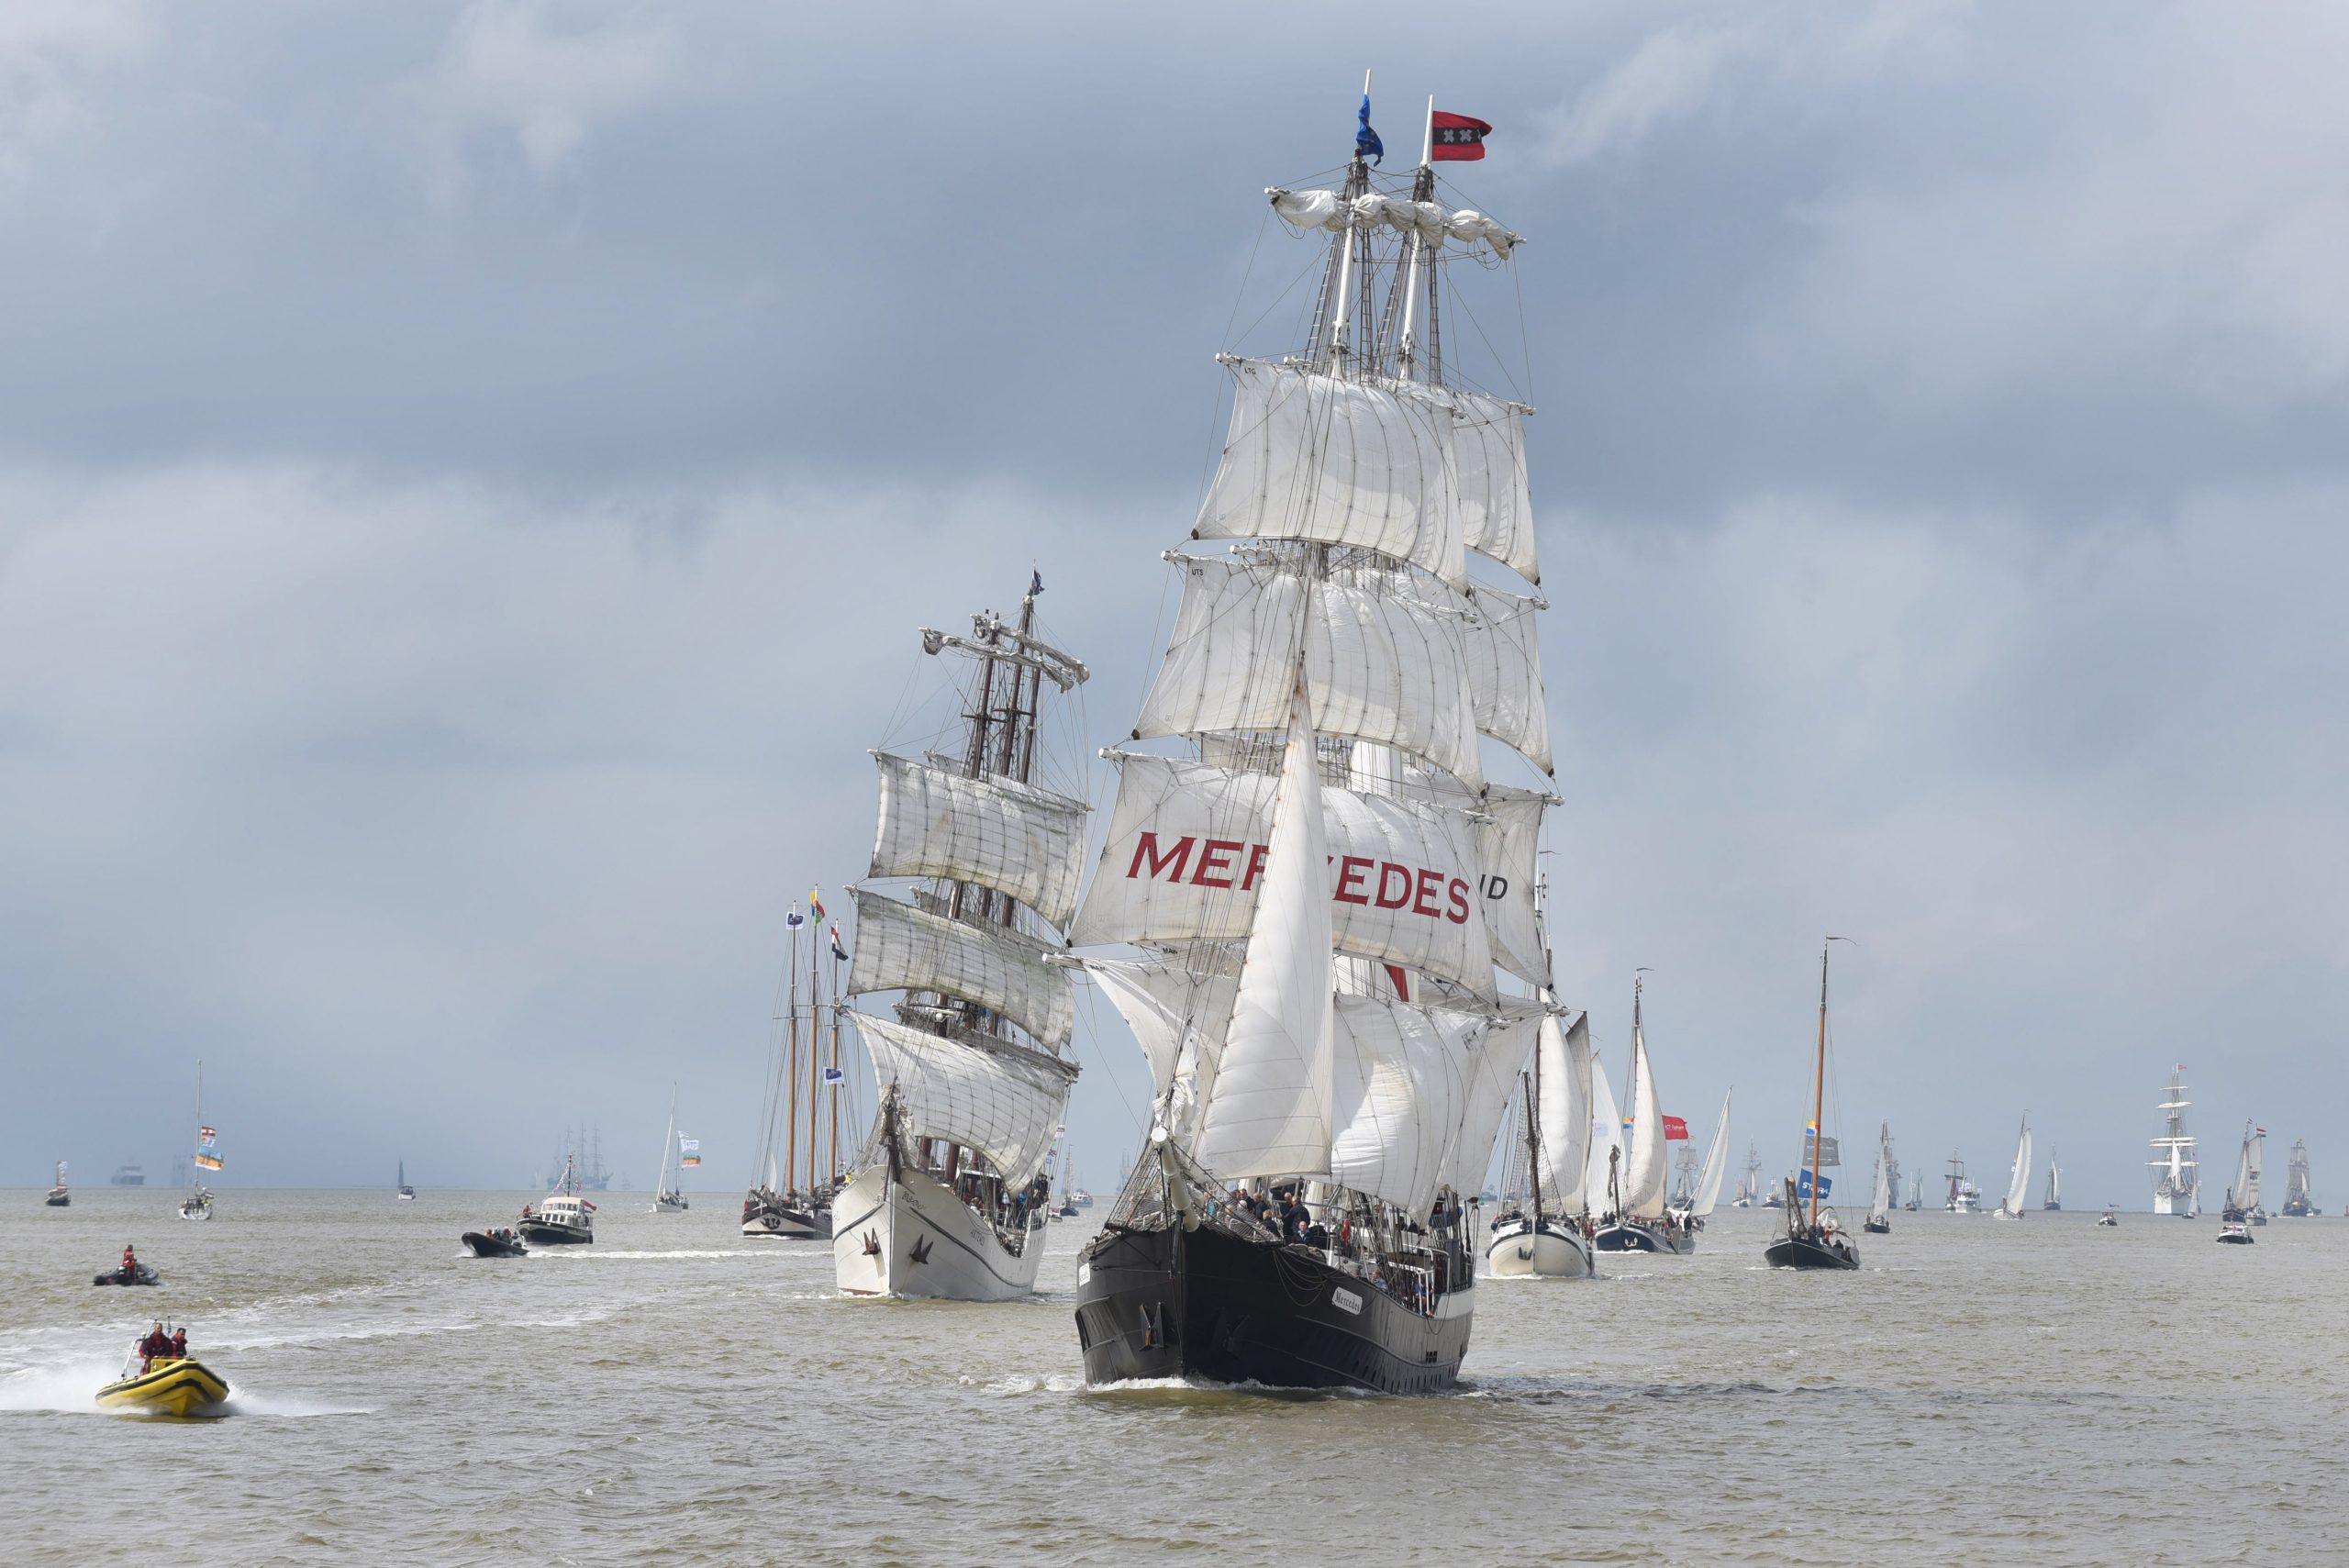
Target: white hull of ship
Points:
(1517, 1253)
(2178, 1205)
(910, 1236)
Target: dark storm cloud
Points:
(471, 473)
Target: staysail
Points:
(2018, 1177)
(1646, 1171)
(1565, 1112)
(1709, 1182)
(1606, 1142)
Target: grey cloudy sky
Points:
(469, 475)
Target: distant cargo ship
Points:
(129, 1176)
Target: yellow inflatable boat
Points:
(168, 1387)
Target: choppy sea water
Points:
(2041, 1393)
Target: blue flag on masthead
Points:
(1367, 142)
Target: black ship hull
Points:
(492, 1246)
(554, 1235)
(1625, 1236)
(1802, 1252)
(1219, 1306)
(1877, 1227)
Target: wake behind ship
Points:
(1325, 884)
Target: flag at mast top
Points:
(1367, 142)
(1455, 137)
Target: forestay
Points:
(1266, 1092)
(1391, 671)
(1317, 456)
(899, 948)
(1189, 845)
(1020, 840)
(1001, 1099)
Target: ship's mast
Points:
(1819, 1082)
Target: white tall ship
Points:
(2295, 1182)
(1328, 880)
(1749, 1185)
(2178, 1173)
(949, 1197)
(1963, 1196)
(1547, 1235)
(2012, 1206)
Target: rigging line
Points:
(1460, 303)
(1524, 342)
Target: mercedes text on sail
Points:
(1325, 883)
(949, 1197)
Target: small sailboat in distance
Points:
(1879, 1219)
(197, 1205)
(2054, 1202)
(668, 1196)
(2017, 1176)
(2242, 1197)
(1814, 1243)
(58, 1196)
(406, 1194)
(2295, 1182)
(1638, 1218)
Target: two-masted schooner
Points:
(949, 1197)
(798, 1150)
(1325, 881)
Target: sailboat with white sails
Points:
(1547, 1235)
(949, 1197)
(2242, 1197)
(2012, 1206)
(2295, 1182)
(1814, 1239)
(1694, 1204)
(668, 1194)
(1638, 1217)
(1749, 1185)
(1328, 883)
(1879, 1219)
(2054, 1202)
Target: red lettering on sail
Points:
(1177, 858)
(1256, 853)
(1350, 875)
(1459, 890)
(1388, 870)
(1422, 902)
(1215, 855)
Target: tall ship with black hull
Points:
(949, 1197)
(1325, 881)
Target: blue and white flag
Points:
(1367, 142)
(833, 1075)
(1802, 1185)
(795, 920)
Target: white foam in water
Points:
(69, 1386)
